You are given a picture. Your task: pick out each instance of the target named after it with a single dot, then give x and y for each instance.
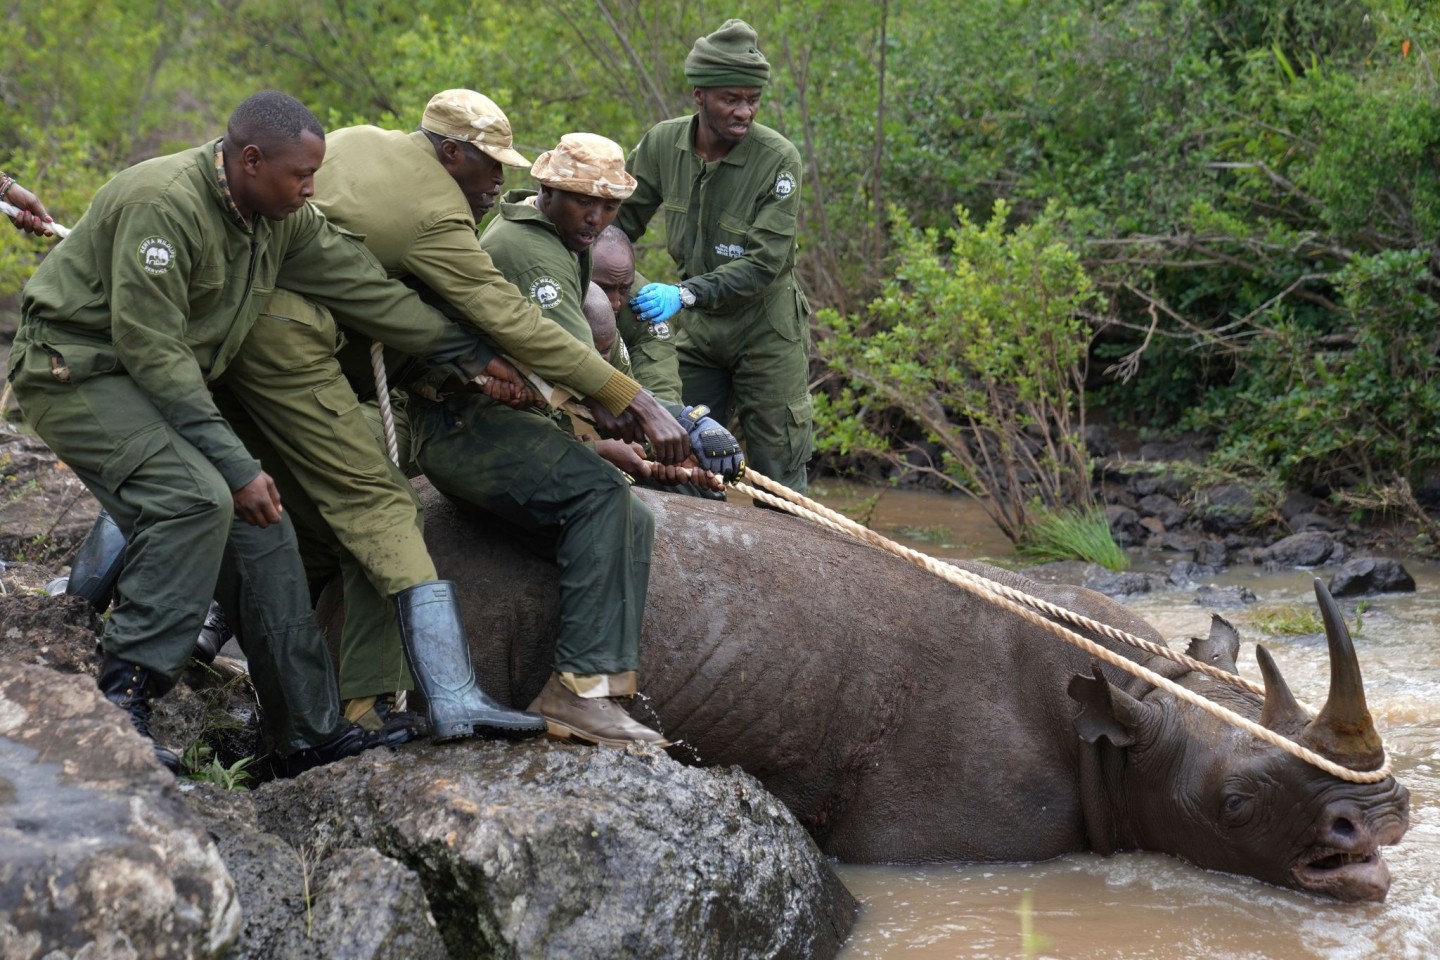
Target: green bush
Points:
(977, 343)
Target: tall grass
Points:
(1072, 535)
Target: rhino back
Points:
(900, 717)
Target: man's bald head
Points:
(602, 319)
(612, 265)
(271, 120)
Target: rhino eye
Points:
(1235, 809)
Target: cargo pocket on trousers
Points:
(340, 402)
(799, 431)
(136, 449)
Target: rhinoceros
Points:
(903, 719)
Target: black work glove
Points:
(715, 447)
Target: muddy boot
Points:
(347, 743)
(130, 687)
(439, 657)
(97, 563)
(593, 719)
(213, 634)
(380, 714)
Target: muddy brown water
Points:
(1150, 906)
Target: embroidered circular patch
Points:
(546, 292)
(157, 255)
(784, 185)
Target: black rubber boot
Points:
(347, 743)
(130, 687)
(97, 563)
(439, 657)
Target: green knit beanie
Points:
(729, 57)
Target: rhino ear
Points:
(1220, 649)
(1105, 710)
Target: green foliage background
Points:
(1250, 187)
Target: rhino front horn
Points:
(1343, 731)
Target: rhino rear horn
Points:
(1220, 649)
(1343, 731)
(1281, 712)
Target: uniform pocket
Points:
(786, 315)
(75, 363)
(802, 411)
(675, 231)
(136, 449)
(291, 332)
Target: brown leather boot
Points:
(592, 719)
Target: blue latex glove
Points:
(656, 302)
(715, 447)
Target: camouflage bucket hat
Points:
(585, 163)
(474, 118)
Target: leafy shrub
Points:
(977, 342)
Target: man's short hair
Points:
(270, 120)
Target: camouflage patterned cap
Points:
(585, 163)
(474, 118)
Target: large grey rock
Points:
(1116, 584)
(464, 850)
(100, 856)
(1313, 548)
(546, 850)
(1366, 575)
(1226, 508)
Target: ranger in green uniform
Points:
(730, 190)
(601, 533)
(123, 326)
(472, 447)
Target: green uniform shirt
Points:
(161, 281)
(730, 223)
(390, 187)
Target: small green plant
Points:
(937, 535)
(1072, 535)
(1291, 620)
(203, 766)
(1360, 609)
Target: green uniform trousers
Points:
(354, 511)
(754, 365)
(184, 546)
(565, 502)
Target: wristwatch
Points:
(687, 296)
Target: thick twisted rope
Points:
(1029, 609)
(382, 393)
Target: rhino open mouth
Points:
(1353, 876)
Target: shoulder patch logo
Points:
(546, 292)
(784, 185)
(624, 351)
(731, 250)
(157, 255)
